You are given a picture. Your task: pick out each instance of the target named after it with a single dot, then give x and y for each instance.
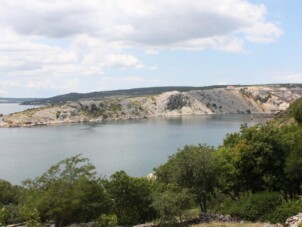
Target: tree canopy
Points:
(194, 168)
(68, 191)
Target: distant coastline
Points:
(257, 100)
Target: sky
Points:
(53, 47)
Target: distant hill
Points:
(102, 94)
(130, 92)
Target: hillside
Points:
(231, 100)
(135, 92)
(102, 94)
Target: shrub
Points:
(296, 108)
(252, 207)
(107, 220)
(285, 211)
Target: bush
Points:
(296, 108)
(107, 220)
(13, 214)
(172, 205)
(253, 207)
(285, 211)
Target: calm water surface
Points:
(134, 146)
(7, 108)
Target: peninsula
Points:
(120, 105)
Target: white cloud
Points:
(123, 60)
(151, 23)
(65, 85)
(151, 52)
(263, 32)
(50, 43)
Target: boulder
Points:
(294, 221)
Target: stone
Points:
(294, 221)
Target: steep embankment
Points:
(213, 101)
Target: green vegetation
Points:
(193, 168)
(296, 109)
(105, 109)
(172, 205)
(131, 198)
(68, 192)
(256, 175)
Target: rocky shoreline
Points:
(248, 100)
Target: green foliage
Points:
(131, 197)
(263, 157)
(284, 211)
(105, 109)
(106, 220)
(13, 214)
(252, 207)
(9, 199)
(8, 193)
(293, 162)
(68, 192)
(170, 204)
(194, 168)
(296, 109)
(3, 216)
(32, 218)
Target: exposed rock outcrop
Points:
(294, 221)
(197, 102)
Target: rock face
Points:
(294, 221)
(212, 101)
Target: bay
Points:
(136, 146)
(8, 108)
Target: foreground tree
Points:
(296, 109)
(8, 193)
(194, 168)
(262, 158)
(170, 204)
(68, 192)
(131, 197)
(9, 199)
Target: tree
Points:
(293, 162)
(171, 204)
(296, 108)
(194, 168)
(262, 158)
(9, 199)
(69, 191)
(131, 197)
(8, 193)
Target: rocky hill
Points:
(254, 99)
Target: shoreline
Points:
(114, 120)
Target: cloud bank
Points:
(42, 41)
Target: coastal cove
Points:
(8, 108)
(136, 146)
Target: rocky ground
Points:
(257, 99)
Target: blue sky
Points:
(54, 47)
